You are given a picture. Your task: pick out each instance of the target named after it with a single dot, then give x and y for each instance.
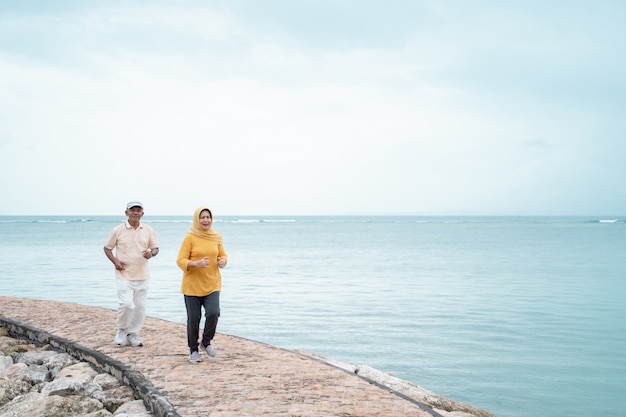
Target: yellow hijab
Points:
(197, 230)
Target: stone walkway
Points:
(247, 378)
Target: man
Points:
(134, 243)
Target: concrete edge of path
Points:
(316, 358)
(156, 402)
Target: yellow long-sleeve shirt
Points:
(200, 282)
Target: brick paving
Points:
(247, 378)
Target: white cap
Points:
(134, 204)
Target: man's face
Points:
(134, 213)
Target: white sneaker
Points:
(120, 337)
(195, 357)
(134, 340)
(209, 350)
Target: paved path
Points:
(247, 378)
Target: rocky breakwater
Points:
(42, 382)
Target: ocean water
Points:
(521, 316)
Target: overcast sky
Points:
(427, 107)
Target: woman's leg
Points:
(194, 314)
(212, 313)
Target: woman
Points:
(201, 256)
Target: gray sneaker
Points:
(134, 340)
(209, 350)
(120, 337)
(195, 357)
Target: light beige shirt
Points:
(129, 244)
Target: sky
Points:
(325, 107)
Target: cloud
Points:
(421, 108)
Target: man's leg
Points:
(138, 313)
(124, 309)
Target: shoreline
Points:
(284, 369)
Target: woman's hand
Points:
(221, 262)
(202, 263)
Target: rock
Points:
(21, 405)
(13, 370)
(5, 362)
(36, 374)
(35, 357)
(41, 382)
(106, 381)
(71, 380)
(35, 404)
(11, 388)
(113, 398)
(9, 345)
(59, 361)
(132, 409)
(73, 405)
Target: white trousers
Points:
(131, 309)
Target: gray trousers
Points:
(194, 305)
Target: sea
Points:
(520, 316)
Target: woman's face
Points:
(205, 219)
